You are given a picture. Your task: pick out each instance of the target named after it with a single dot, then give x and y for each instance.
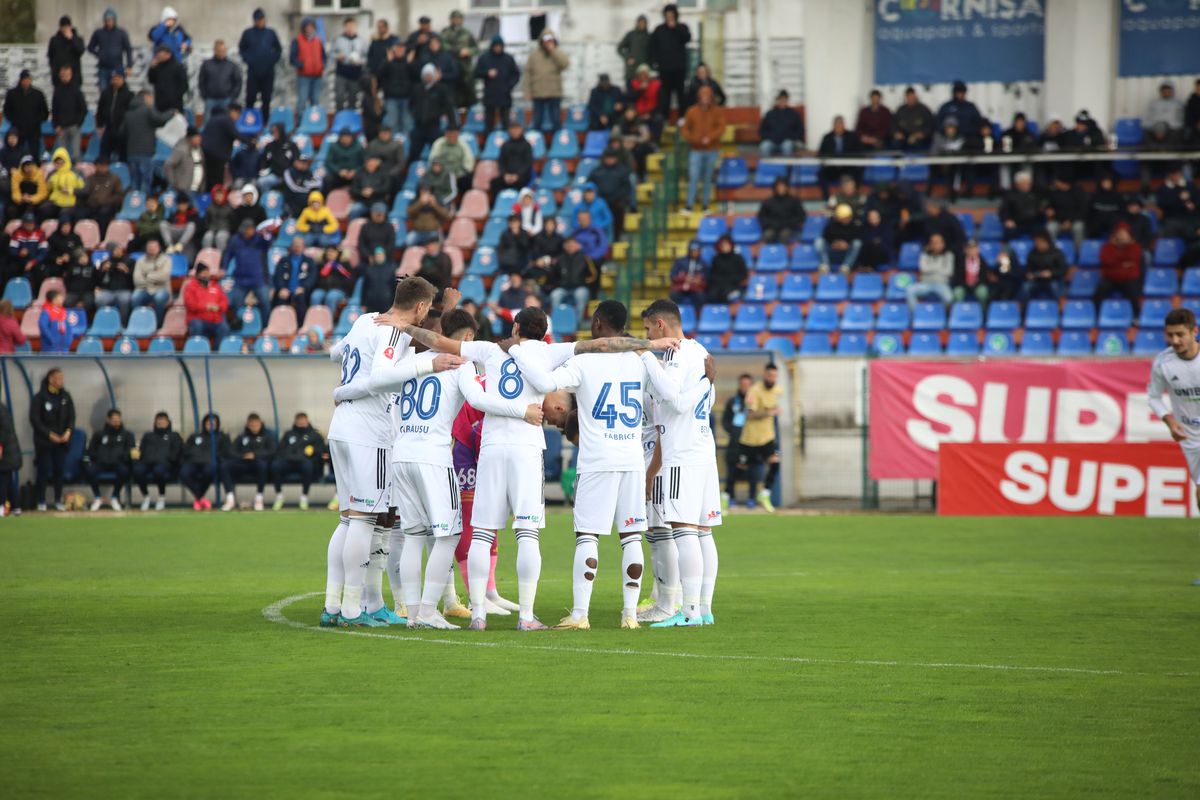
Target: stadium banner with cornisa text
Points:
(937, 41)
(1159, 37)
(1129, 480)
(916, 406)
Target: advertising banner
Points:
(915, 406)
(1159, 37)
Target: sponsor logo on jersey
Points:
(388, 353)
(634, 520)
(714, 514)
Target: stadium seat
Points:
(143, 323)
(199, 345)
(743, 341)
(126, 346)
(132, 208)
(888, 344)
(897, 288)
(77, 321)
(786, 318)
(751, 318)
(966, 316)
(1079, 314)
(1089, 253)
(746, 231)
(1074, 343)
(492, 144)
(493, 229)
(231, 345)
(1037, 343)
(1116, 313)
(1021, 248)
(816, 344)
(1128, 131)
(804, 258)
(851, 344)
(49, 285)
(545, 200)
(805, 175)
(1083, 284)
(250, 123)
(733, 173)
(504, 203)
(710, 342)
(1161, 282)
(594, 144)
(1148, 342)
(577, 118)
(687, 318)
(796, 288)
(555, 175)
(462, 234)
(476, 121)
(472, 289)
(282, 115)
(89, 346)
(1153, 312)
(879, 172)
(583, 169)
(564, 145)
(910, 256)
(1111, 343)
(893, 317)
(814, 226)
(1041, 314)
(1003, 315)
(998, 344)
(318, 317)
(915, 173)
(924, 343)
(772, 258)
(867, 287)
(990, 227)
(822, 317)
(251, 319)
(1167, 252)
(761, 289)
(18, 292)
(781, 346)
(1191, 282)
(1067, 246)
(313, 121)
(483, 262)
(161, 345)
(715, 318)
(89, 233)
(564, 320)
(347, 118)
(766, 174)
(107, 322)
(963, 344)
(832, 287)
(858, 317)
(267, 345)
(929, 317)
(967, 220)
(711, 230)
(538, 143)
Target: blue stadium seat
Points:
(577, 118)
(179, 265)
(851, 344)
(1041, 314)
(545, 200)
(1191, 282)
(1037, 343)
(555, 175)
(711, 229)
(143, 323)
(804, 258)
(687, 318)
(346, 320)
(733, 173)
(998, 344)
(538, 143)
(1021, 248)
(492, 144)
(1161, 282)
(786, 318)
(814, 226)
(347, 118)
(583, 169)
(1128, 131)
(313, 121)
(250, 123)
(161, 345)
(858, 317)
(833, 287)
(822, 317)
(879, 172)
(198, 345)
(1003, 315)
(493, 229)
(77, 321)
(564, 145)
(1079, 315)
(816, 344)
(107, 323)
(252, 323)
(765, 174)
(1116, 313)
(594, 144)
(963, 344)
(929, 317)
(710, 342)
(483, 262)
(230, 345)
(805, 175)
(796, 288)
(888, 344)
(746, 230)
(781, 346)
(1089, 253)
(282, 115)
(564, 320)
(967, 220)
(915, 173)
(1167, 252)
(1153, 312)
(751, 318)
(18, 292)
(742, 341)
(897, 288)
(990, 251)
(1148, 342)
(966, 316)
(990, 227)
(132, 207)
(266, 346)
(1083, 284)
(761, 289)
(867, 287)
(924, 343)
(1112, 343)
(476, 122)
(126, 346)
(910, 256)
(715, 318)
(1067, 246)
(1074, 343)
(472, 288)
(89, 346)
(772, 258)
(893, 317)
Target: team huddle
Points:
(433, 459)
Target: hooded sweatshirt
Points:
(322, 218)
(261, 444)
(296, 442)
(161, 446)
(111, 446)
(497, 90)
(174, 38)
(198, 449)
(111, 46)
(64, 182)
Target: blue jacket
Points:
(592, 242)
(54, 340)
(109, 45)
(296, 272)
(260, 50)
(250, 254)
(175, 39)
(498, 91)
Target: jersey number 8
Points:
(512, 383)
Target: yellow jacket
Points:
(321, 218)
(35, 177)
(64, 182)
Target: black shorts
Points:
(758, 454)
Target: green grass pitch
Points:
(872, 656)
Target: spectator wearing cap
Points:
(170, 34)
(110, 45)
(395, 80)
(1176, 201)
(669, 55)
(111, 109)
(184, 168)
(959, 107)
(703, 127)
(139, 132)
(781, 129)
(841, 241)
(605, 104)
(500, 75)
(307, 56)
(25, 109)
(217, 141)
(728, 274)
(418, 40)
(152, 277)
(781, 216)
(343, 161)
(220, 80)
(838, 143)
(460, 44)
(298, 182)
(543, 82)
(1165, 110)
(874, 124)
(634, 47)
(1045, 270)
(430, 104)
(349, 55)
(689, 278)
(454, 154)
(169, 79)
(702, 77)
(951, 140)
(103, 194)
(295, 279)
(260, 50)
(912, 124)
(371, 184)
(68, 110)
(65, 50)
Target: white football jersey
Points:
(609, 390)
(649, 428)
(505, 382)
(1179, 378)
(686, 435)
(367, 349)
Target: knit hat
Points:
(456, 14)
(258, 14)
(25, 74)
(424, 21)
(169, 13)
(110, 13)
(26, 159)
(64, 21)
(428, 69)
(378, 208)
(28, 216)
(497, 40)
(959, 86)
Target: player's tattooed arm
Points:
(624, 344)
(433, 341)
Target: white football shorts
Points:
(603, 499)
(1191, 452)
(654, 506)
(362, 474)
(510, 479)
(426, 498)
(692, 495)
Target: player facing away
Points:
(691, 500)
(424, 485)
(360, 439)
(1176, 372)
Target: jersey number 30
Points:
(608, 413)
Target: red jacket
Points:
(1121, 264)
(196, 298)
(646, 96)
(10, 335)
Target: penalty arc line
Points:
(274, 613)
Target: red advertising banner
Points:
(915, 406)
(1137, 480)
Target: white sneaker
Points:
(230, 502)
(114, 504)
(435, 621)
(161, 505)
(60, 506)
(41, 506)
(508, 605)
(258, 502)
(95, 506)
(655, 614)
(145, 503)
(495, 608)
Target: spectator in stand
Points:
(1045, 270)
(152, 278)
(53, 327)
(645, 90)
(184, 168)
(395, 81)
(426, 218)
(940, 220)
(11, 335)
(1120, 268)
(139, 132)
(370, 185)
(27, 250)
(1085, 136)
(613, 182)
(110, 45)
(307, 55)
(220, 80)
(64, 184)
(114, 280)
(703, 127)
(169, 79)
(111, 109)
(878, 242)
(634, 136)
(781, 129)
(80, 282)
(1191, 117)
(543, 82)
(669, 55)
(65, 50)
(575, 277)
(62, 246)
(260, 50)
(10, 160)
(460, 44)
(591, 202)
(451, 151)
(1020, 138)
(316, 224)
(912, 124)
(512, 252)
(68, 109)
(1052, 140)
(971, 276)
(529, 211)
(30, 192)
(500, 75)
(874, 124)
(381, 46)
(702, 77)
(545, 248)
(217, 141)
(605, 104)
(390, 151)
(689, 278)
(782, 215)
(110, 452)
(199, 469)
(170, 34)
(950, 140)
(147, 224)
(295, 279)
(841, 241)
(435, 265)
(219, 222)
(378, 282)
(1005, 279)
(728, 274)
(513, 297)
(245, 260)
(157, 460)
(515, 162)
(248, 210)
(206, 305)
(431, 105)
(446, 64)
(298, 183)
(838, 143)
(1176, 202)
(634, 48)
(1021, 211)
(343, 161)
(350, 54)
(439, 181)
(1140, 226)
(935, 271)
(25, 109)
(335, 279)
(377, 232)
(1066, 209)
(1104, 208)
(590, 237)
(52, 416)
(178, 230)
(959, 107)
(301, 452)
(1166, 110)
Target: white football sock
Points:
(395, 548)
(479, 562)
(667, 581)
(449, 590)
(529, 569)
(335, 574)
(373, 585)
(691, 570)
(441, 557)
(410, 569)
(708, 550)
(587, 560)
(632, 566)
(356, 555)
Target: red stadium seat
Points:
(338, 202)
(209, 257)
(174, 322)
(318, 317)
(485, 171)
(410, 263)
(475, 205)
(282, 322)
(120, 231)
(89, 233)
(47, 285)
(462, 234)
(352, 231)
(457, 264)
(29, 322)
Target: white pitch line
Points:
(274, 613)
